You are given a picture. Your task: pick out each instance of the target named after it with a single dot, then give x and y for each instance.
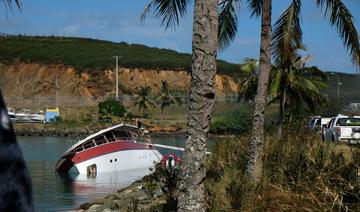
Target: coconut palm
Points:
(143, 99)
(165, 98)
(202, 92)
(288, 39)
(298, 85)
(254, 166)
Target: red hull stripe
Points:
(106, 149)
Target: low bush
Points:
(232, 122)
(111, 108)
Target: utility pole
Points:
(56, 90)
(117, 77)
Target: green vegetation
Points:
(111, 108)
(235, 121)
(165, 98)
(300, 173)
(143, 99)
(90, 54)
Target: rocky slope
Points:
(36, 80)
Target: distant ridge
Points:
(92, 54)
(4, 34)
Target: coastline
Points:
(135, 197)
(31, 129)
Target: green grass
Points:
(91, 54)
(300, 173)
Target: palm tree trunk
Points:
(254, 166)
(282, 112)
(202, 95)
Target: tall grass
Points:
(300, 173)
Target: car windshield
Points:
(348, 122)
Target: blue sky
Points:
(119, 21)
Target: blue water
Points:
(58, 193)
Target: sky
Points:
(119, 21)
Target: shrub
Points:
(111, 108)
(232, 122)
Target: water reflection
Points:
(53, 192)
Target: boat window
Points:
(78, 149)
(88, 144)
(99, 140)
(122, 135)
(109, 136)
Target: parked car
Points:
(314, 122)
(344, 129)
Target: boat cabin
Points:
(121, 132)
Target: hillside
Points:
(349, 88)
(31, 80)
(89, 54)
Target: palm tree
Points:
(290, 38)
(202, 92)
(297, 84)
(165, 98)
(143, 99)
(254, 166)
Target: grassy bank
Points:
(300, 173)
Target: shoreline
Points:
(26, 129)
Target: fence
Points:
(81, 101)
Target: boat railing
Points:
(95, 143)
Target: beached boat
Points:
(117, 148)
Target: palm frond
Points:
(227, 22)
(255, 7)
(169, 10)
(146, 10)
(287, 36)
(8, 4)
(312, 72)
(340, 17)
(275, 84)
(250, 65)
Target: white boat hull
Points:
(120, 161)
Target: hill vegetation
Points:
(91, 54)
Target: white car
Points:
(344, 129)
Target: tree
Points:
(143, 99)
(110, 108)
(165, 98)
(202, 93)
(254, 166)
(296, 85)
(339, 16)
